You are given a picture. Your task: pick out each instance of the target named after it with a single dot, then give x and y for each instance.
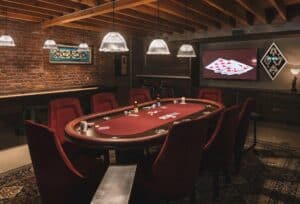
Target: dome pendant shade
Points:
(186, 50)
(83, 47)
(50, 45)
(7, 41)
(158, 47)
(113, 42)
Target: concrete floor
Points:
(268, 132)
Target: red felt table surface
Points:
(130, 125)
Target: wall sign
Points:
(273, 61)
(66, 54)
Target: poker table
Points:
(119, 129)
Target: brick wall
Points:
(26, 67)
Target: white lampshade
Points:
(158, 47)
(83, 47)
(186, 50)
(50, 44)
(113, 42)
(295, 71)
(7, 41)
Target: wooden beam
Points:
(19, 16)
(150, 19)
(165, 17)
(38, 4)
(89, 3)
(280, 8)
(139, 23)
(25, 12)
(207, 11)
(254, 7)
(43, 11)
(179, 11)
(95, 11)
(67, 4)
(228, 7)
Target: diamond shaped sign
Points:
(273, 61)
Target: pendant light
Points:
(158, 46)
(186, 50)
(113, 41)
(50, 44)
(6, 40)
(83, 46)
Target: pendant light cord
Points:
(113, 1)
(186, 13)
(157, 15)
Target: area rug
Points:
(270, 176)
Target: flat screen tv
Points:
(237, 64)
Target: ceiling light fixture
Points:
(50, 44)
(83, 46)
(158, 46)
(113, 41)
(6, 40)
(186, 50)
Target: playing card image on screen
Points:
(239, 64)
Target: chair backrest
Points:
(55, 175)
(177, 165)
(248, 106)
(103, 102)
(62, 111)
(219, 149)
(140, 95)
(213, 94)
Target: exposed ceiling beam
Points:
(229, 8)
(141, 23)
(165, 17)
(19, 16)
(179, 11)
(38, 4)
(255, 7)
(67, 4)
(280, 8)
(95, 11)
(150, 19)
(207, 11)
(89, 3)
(29, 8)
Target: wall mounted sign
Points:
(273, 61)
(66, 54)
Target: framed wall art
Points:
(273, 61)
(68, 54)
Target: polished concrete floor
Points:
(18, 155)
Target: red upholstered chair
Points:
(213, 94)
(175, 170)
(248, 106)
(103, 102)
(61, 111)
(218, 152)
(57, 179)
(140, 95)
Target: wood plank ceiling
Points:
(139, 17)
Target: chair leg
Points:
(216, 185)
